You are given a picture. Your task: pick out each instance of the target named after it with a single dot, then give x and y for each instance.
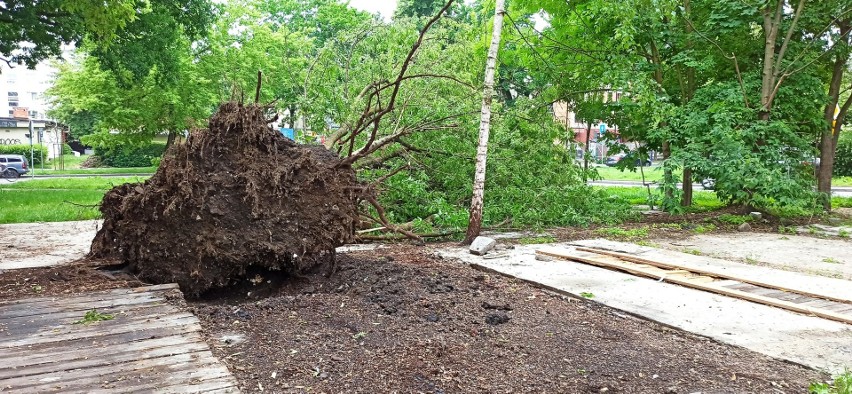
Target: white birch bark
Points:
(475, 223)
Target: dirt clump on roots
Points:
(235, 197)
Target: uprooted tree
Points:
(233, 196)
(239, 195)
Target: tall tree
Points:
(476, 203)
(35, 30)
(836, 108)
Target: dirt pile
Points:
(234, 197)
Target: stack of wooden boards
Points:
(826, 306)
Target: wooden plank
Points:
(104, 361)
(116, 339)
(24, 310)
(173, 370)
(191, 386)
(97, 330)
(103, 295)
(821, 304)
(147, 367)
(640, 260)
(68, 354)
(631, 268)
(61, 318)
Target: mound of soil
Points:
(236, 196)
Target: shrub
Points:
(66, 149)
(843, 156)
(38, 151)
(124, 156)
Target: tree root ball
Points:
(234, 196)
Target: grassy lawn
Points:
(655, 174)
(72, 167)
(652, 174)
(703, 200)
(54, 200)
(842, 181)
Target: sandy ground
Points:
(831, 257)
(44, 244)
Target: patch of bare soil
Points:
(399, 320)
(77, 277)
(234, 197)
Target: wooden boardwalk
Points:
(150, 345)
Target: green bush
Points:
(38, 151)
(843, 156)
(66, 149)
(124, 156)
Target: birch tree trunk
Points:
(475, 223)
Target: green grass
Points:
(93, 316)
(72, 166)
(652, 174)
(734, 219)
(54, 200)
(842, 384)
(841, 181)
(88, 183)
(97, 171)
(655, 174)
(541, 239)
(841, 202)
(615, 232)
(702, 200)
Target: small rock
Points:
(497, 318)
(541, 257)
(744, 227)
(835, 221)
(432, 318)
(308, 290)
(481, 245)
(756, 215)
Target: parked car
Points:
(613, 161)
(16, 163)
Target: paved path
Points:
(150, 345)
(778, 333)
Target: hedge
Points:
(843, 156)
(124, 156)
(38, 151)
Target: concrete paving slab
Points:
(838, 288)
(31, 245)
(811, 341)
(816, 256)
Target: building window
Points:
(13, 104)
(34, 95)
(11, 111)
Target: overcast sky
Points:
(385, 7)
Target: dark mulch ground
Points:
(400, 320)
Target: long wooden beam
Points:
(631, 267)
(716, 274)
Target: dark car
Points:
(16, 165)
